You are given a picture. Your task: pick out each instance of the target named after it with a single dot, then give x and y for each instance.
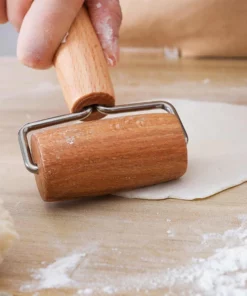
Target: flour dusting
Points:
(70, 140)
(222, 273)
(105, 29)
(170, 233)
(206, 81)
(65, 38)
(231, 237)
(85, 292)
(171, 53)
(109, 290)
(110, 61)
(55, 275)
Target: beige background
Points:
(196, 27)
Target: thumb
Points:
(106, 17)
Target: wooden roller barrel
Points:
(104, 156)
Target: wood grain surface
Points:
(82, 68)
(105, 156)
(122, 238)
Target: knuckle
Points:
(33, 60)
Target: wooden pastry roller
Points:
(99, 157)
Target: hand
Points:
(44, 23)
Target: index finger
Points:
(43, 29)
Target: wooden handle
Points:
(104, 156)
(81, 67)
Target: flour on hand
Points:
(217, 152)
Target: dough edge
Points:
(8, 234)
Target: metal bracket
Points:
(23, 132)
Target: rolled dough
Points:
(196, 27)
(217, 152)
(8, 233)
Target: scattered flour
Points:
(170, 232)
(231, 237)
(171, 53)
(105, 29)
(108, 42)
(98, 5)
(223, 273)
(70, 140)
(85, 292)
(65, 38)
(109, 290)
(55, 275)
(110, 61)
(206, 81)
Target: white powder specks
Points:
(171, 53)
(140, 122)
(171, 233)
(231, 237)
(70, 140)
(105, 29)
(65, 38)
(110, 61)
(108, 290)
(87, 291)
(222, 273)
(55, 275)
(98, 5)
(206, 81)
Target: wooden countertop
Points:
(122, 238)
